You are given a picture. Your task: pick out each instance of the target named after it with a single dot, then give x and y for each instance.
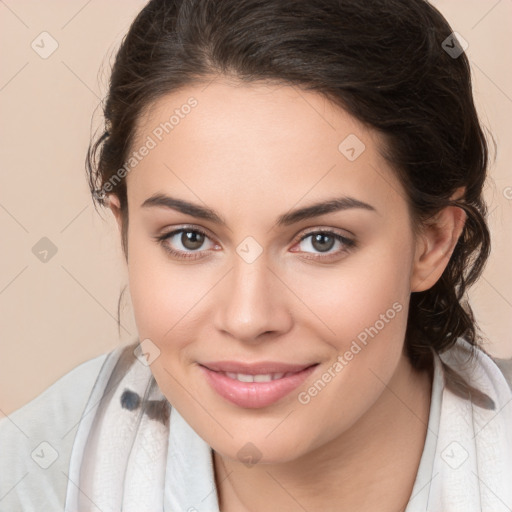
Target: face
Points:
(256, 283)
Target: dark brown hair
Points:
(392, 64)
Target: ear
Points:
(435, 245)
(115, 206)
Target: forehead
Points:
(278, 142)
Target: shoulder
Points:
(36, 442)
(505, 365)
(479, 369)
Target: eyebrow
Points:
(308, 212)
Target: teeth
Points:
(242, 377)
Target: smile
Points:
(255, 390)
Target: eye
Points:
(187, 240)
(323, 241)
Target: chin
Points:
(254, 450)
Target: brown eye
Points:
(320, 244)
(323, 242)
(192, 240)
(185, 243)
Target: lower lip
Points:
(253, 395)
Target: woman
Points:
(298, 189)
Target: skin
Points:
(252, 153)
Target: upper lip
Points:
(259, 368)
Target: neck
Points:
(372, 466)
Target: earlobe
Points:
(435, 247)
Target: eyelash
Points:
(348, 243)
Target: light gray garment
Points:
(505, 365)
(32, 436)
(44, 430)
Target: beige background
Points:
(57, 314)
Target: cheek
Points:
(366, 295)
(163, 294)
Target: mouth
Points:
(255, 385)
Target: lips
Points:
(232, 381)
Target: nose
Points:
(253, 303)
